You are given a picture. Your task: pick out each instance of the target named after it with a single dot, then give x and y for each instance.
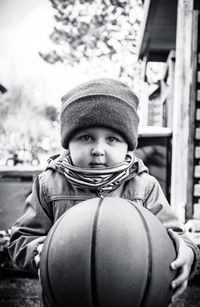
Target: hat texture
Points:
(100, 103)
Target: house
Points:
(170, 33)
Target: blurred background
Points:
(50, 46)
(47, 48)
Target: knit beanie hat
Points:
(100, 103)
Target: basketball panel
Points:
(67, 255)
(122, 254)
(162, 254)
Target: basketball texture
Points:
(107, 253)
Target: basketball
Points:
(107, 252)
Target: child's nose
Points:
(97, 150)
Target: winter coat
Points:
(52, 195)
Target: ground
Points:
(18, 290)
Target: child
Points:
(99, 130)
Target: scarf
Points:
(105, 179)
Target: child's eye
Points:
(112, 139)
(85, 138)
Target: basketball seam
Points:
(149, 276)
(47, 266)
(94, 294)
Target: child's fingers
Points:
(39, 248)
(182, 263)
(181, 278)
(37, 260)
(39, 275)
(175, 237)
(180, 260)
(180, 290)
(37, 257)
(177, 263)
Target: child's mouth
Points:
(97, 165)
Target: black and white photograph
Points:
(100, 153)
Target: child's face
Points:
(97, 148)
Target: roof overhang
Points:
(158, 30)
(196, 5)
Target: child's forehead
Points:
(99, 130)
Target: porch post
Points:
(183, 112)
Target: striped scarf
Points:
(105, 179)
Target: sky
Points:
(24, 29)
(25, 26)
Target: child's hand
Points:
(37, 257)
(183, 263)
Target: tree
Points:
(93, 29)
(23, 122)
(51, 113)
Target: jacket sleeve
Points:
(157, 203)
(30, 229)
